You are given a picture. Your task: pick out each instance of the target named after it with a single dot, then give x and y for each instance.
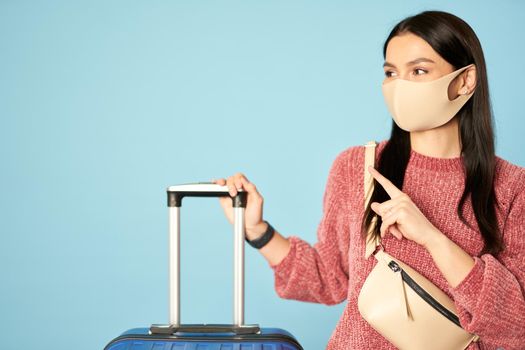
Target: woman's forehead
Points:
(409, 49)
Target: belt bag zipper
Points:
(394, 266)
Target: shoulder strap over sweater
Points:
(371, 242)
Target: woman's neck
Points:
(441, 142)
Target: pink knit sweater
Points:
(490, 300)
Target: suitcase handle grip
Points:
(203, 189)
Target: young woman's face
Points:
(411, 58)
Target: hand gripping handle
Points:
(203, 189)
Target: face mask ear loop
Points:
(458, 73)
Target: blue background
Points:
(105, 103)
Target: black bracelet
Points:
(264, 239)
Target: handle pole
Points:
(174, 265)
(238, 269)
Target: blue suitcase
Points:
(177, 336)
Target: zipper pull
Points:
(394, 266)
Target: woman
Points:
(446, 205)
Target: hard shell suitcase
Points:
(177, 336)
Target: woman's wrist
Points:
(453, 262)
(255, 232)
(435, 240)
(276, 250)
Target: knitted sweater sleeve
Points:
(319, 273)
(491, 299)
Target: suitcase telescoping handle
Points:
(175, 196)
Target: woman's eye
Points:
(419, 71)
(389, 73)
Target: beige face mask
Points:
(417, 106)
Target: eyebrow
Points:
(411, 63)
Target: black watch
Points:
(264, 239)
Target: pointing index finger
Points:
(389, 187)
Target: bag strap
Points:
(371, 242)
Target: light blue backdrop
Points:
(105, 103)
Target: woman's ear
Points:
(468, 80)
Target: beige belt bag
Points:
(402, 305)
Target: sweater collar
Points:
(419, 160)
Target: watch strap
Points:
(264, 239)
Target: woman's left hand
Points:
(400, 216)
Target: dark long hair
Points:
(456, 42)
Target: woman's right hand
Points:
(253, 215)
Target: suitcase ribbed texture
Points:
(269, 339)
(143, 345)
